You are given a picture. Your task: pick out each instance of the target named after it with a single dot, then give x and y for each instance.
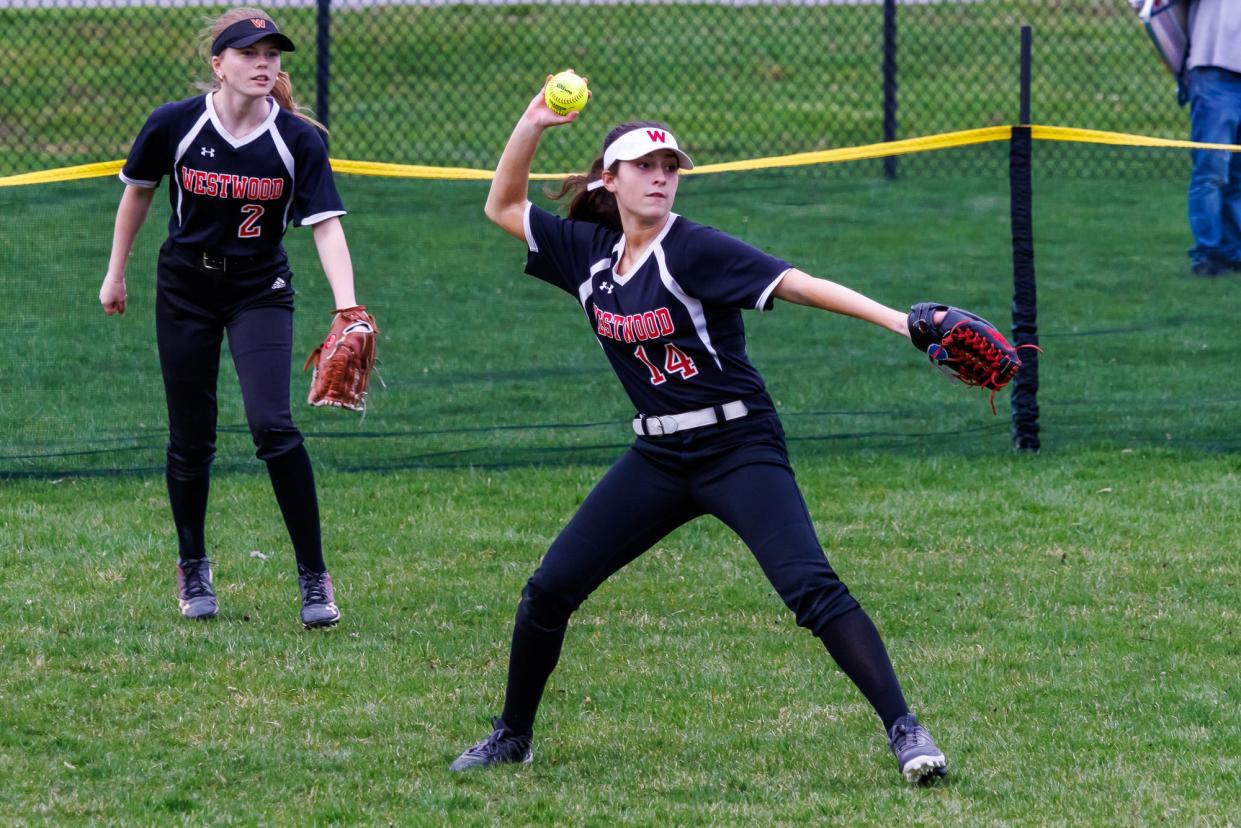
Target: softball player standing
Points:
(664, 297)
(242, 162)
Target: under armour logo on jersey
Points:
(279, 283)
(608, 286)
(208, 151)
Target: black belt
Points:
(220, 263)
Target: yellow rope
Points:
(927, 143)
(98, 170)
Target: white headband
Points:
(637, 143)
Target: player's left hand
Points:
(343, 363)
(964, 346)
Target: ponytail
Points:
(597, 205)
(283, 93)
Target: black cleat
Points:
(318, 599)
(501, 747)
(1208, 268)
(916, 753)
(194, 592)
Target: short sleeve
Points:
(150, 158)
(724, 271)
(314, 189)
(560, 249)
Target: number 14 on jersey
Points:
(676, 361)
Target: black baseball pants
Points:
(194, 309)
(738, 472)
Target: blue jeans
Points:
(1215, 183)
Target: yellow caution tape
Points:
(97, 170)
(1122, 139)
(927, 143)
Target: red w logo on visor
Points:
(259, 23)
(656, 135)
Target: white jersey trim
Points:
(761, 304)
(691, 304)
(181, 148)
(282, 149)
(318, 217)
(257, 133)
(136, 182)
(531, 244)
(619, 252)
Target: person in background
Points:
(1215, 117)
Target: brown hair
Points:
(282, 91)
(598, 205)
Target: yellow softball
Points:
(565, 93)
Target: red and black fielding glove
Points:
(344, 361)
(964, 346)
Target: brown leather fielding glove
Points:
(343, 363)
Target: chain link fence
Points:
(440, 83)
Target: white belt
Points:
(645, 426)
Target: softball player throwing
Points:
(664, 297)
(242, 163)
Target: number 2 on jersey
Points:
(676, 361)
(249, 228)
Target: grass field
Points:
(1068, 628)
(1067, 623)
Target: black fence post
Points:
(1025, 296)
(323, 66)
(889, 83)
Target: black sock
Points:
(855, 644)
(189, 513)
(293, 481)
(533, 657)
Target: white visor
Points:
(638, 142)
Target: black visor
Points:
(248, 32)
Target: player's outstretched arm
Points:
(510, 188)
(801, 288)
(334, 256)
(132, 212)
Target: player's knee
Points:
(275, 441)
(190, 461)
(818, 605)
(545, 609)
(814, 593)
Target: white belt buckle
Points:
(659, 426)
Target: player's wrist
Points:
(530, 126)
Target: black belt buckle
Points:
(211, 262)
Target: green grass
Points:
(1067, 628)
(1065, 622)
